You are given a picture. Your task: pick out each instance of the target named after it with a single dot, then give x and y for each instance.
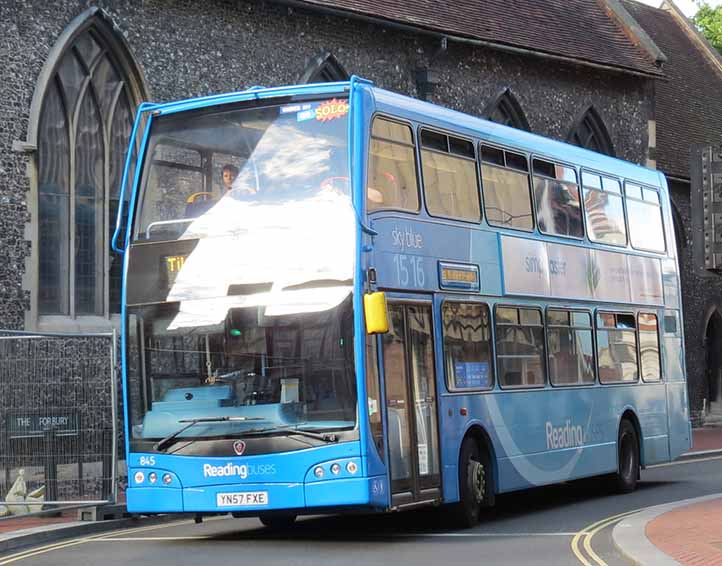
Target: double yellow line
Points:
(582, 541)
(17, 557)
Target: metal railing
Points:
(58, 421)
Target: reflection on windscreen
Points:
(204, 161)
(292, 371)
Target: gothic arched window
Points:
(324, 68)
(505, 109)
(83, 131)
(589, 132)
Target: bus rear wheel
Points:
(472, 485)
(277, 520)
(627, 458)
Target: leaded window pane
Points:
(53, 217)
(106, 83)
(71, 74)
(119, 138)
(88, 207)
(87, 48)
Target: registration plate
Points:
(242, 499)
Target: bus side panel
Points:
(680, 437)
(547, 436)
(587, 462)
(680, 433)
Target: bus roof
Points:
(254, 92)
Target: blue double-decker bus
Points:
(337, 298)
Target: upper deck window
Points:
(603, 209)
(645, 218)
(392, 179)
(556, 195)
(505, 181)
(449, 172)
(270, 156)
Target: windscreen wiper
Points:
(325, 437)
(191, 422)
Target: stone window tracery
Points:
(324, 68)
(590, 132)
(505, 109)
(84, 128)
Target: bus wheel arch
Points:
(486, 451)
(628, 453)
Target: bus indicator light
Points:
(377, 321)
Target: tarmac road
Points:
(532, 527)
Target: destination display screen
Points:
(458, 276)
(171, 266)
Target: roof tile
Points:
(688, 106)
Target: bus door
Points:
(411, 410)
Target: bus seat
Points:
(198, 203)
(512, 378)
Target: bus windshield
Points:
(238, 288)
(248, 207)
(252, 372)
(203, 170)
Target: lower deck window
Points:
(571, 351)
(519, 347)
(617, 347)
(467, 345)
(649, 347)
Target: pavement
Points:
(687, 532)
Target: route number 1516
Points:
(409, 270)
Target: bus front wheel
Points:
(472, 484)
(277, 520)
(628, 458)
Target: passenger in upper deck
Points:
(198, 203)
(228, 175)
